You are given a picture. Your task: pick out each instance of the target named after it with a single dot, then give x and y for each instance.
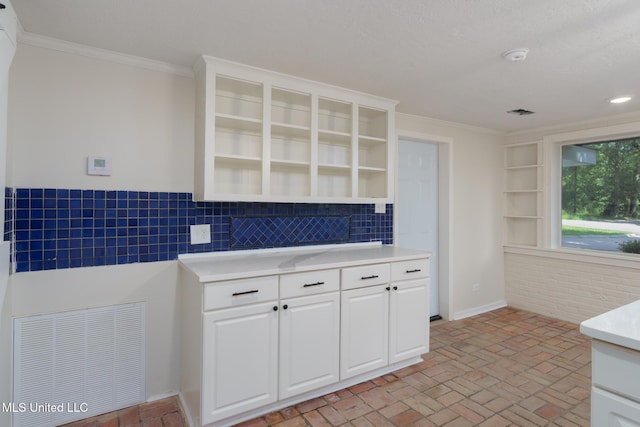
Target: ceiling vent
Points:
(520, 112)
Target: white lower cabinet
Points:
(383, 324)
(409, 319)
(253, 345)
(309, 343)
(240, 363)
(365, 330)
(615, 395)
(261, 351)
(612, 410)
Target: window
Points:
(600, 185)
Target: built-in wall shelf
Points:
(523, 194)
(265, 136)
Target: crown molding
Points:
(103, 54)
(599, 122)
(456, 125)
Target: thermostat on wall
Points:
(99, 166)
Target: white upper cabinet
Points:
(265, 136)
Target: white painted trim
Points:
(552, 151)
(161, 396)
(439, 122)
(445, 207)
(479, 310)
(582, 255)
(185, 410)
(594, 134)
(103, 54)
(593, 123)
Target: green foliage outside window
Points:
(607, 190)
(630, 246)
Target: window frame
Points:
(552, 226)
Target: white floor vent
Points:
(73, 365)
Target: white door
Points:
(240, 366)
(309, 343)
(408, 319)
(364, 330)
(417, 206)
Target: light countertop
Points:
(262, 262)
(620, 326)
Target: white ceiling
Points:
(439, 58)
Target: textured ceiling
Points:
(439, 58)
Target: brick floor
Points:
(504, 368)
(161, 413)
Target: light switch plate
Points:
(381, 208)
(200, 233)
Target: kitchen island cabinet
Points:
(615, 395)
(265, 329)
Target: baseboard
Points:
(161, 396)
(479, 310)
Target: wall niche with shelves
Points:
(523, 194)
(266, 136)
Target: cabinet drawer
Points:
(410, 269)
(616, 368)
(309, 283)
(367, 275)
(240, 292)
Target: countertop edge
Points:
(603, 326)
(299, 269)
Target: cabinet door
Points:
(408, 319)
(239, 360)
(309, 343)
(365, 329)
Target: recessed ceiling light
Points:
(620, 100)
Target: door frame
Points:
(445, 168)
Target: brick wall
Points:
(568, 290)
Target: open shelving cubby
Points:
(372, 152)
(523, 193)
(290, 168)
(238, 136)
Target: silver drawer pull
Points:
(306, 285)
(413, 271)
(369, 277)
(235, 294)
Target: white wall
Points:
(65, 107)
(476, 211)
(77, 288)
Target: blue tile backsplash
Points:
(67, 228)
(255, 232)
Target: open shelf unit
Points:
(523, 194)
(265, 136)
